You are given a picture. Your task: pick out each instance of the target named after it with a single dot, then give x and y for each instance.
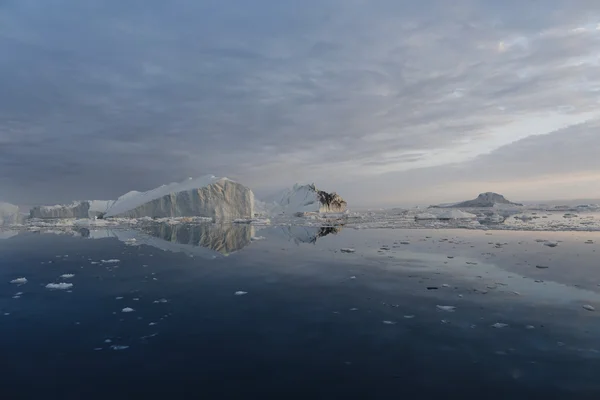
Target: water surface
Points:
(308, 320)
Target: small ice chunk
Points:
(152, 324)
(119, 298)
(499, 325)
(352, 277)
(108, 341)
(551, 244)
(354, 309)
(445, 285)
(409, 316)
(529, 327)
(117, 347)
(127, 309)
(164, 300)
(240, 293)
(542, 266)
(59, 286)
(388, 322)
(347, 250)
(257, 238)
(446, 308)
(589, 307)
(67, 276)
(111, 261)
(19, 281)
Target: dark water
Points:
(314, 322)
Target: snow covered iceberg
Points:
(208, 196)
(302, 199)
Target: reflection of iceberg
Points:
(299, 234)
(205, 240)
(222, 238)
(8, 234)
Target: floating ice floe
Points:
(67, 276)
(589, 307)
(20, 281)
(389, 323)
(499, 325)
(257, 238)
(59, 286)
(240, 293)
(347, 250)
(425, 217)
(551, 244)
(446, 308)
(127, 310)
(111, 261)
(117, 347)
(160, 301)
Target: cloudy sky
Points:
(384, 101)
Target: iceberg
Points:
(456, 214)
(302, 199)
(77, 209)
(208, 196)
(9, 214)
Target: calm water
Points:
(314, 322)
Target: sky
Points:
(386, 102)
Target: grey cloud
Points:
(133, 94)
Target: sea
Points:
(365, 310)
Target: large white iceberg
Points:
(306, 199)
(208, 196)
(9, 214)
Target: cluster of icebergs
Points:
(209, 197)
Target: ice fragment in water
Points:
(19, 280)
(499, 325)
(116, 347)
(59, 286)
(161, 301)
(589, 307)
(67, 276)
(111, 261)
(446, 308)
(551, 244)
(409, 316)
(347, 250)
(127, 309)
(389, 322)
(240, 293)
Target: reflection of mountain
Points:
(303, 234)
(222, 238)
